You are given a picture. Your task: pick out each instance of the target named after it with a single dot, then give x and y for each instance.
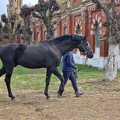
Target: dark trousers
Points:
(70, 75)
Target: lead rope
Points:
(84, 68)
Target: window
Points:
(33, 36)
(78, 31)
(97, 34)
(65, 31)
(55, 33)
(45, 35)
(38, 36)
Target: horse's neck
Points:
(65, 47)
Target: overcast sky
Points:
(3, 3)
(30, 2)
(3, 8)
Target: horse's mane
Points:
(63, 38)
(58, 39)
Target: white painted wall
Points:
(96, 61)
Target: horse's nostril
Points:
(89, 55)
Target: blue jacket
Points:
(68, 62)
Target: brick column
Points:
(103, 48)
(71, 24)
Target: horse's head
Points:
(85, 47)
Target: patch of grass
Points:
(89, 78)
(117, 89)
(28, 82)
(21, 70)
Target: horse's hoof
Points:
(61, 96)
(58, 95)
(13, 99)
(48, 98)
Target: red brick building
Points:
(79, 17)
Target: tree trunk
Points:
(26, 31)
(50, 33)
(112, 62)
(113, 25)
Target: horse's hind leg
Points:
(2, 71)
(48, 76)
(9, 70)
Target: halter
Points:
(86, 51)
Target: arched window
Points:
(55, 33)
(97, 34)
(78, 30)
(45, 35)
(38, 36)
(33, 32)
(65, 30)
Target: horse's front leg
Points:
(48, 76)
(58, 74)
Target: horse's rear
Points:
(7, 55)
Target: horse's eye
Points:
(86, 43)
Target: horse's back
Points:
(31, 56)
(36, 56)
(8, 49)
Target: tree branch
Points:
(36, 15)
(104, 7)
(113, 8)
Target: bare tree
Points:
(8, 30)
(113, 25)
(25, 15)
(44, 11)
(1, 35)
(61, 1)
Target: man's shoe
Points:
(78, 93)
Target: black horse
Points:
(46, 54)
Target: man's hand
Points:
(75, 67)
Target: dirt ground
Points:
(32, 105)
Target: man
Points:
(67, 69)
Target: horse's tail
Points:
(0, 48)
